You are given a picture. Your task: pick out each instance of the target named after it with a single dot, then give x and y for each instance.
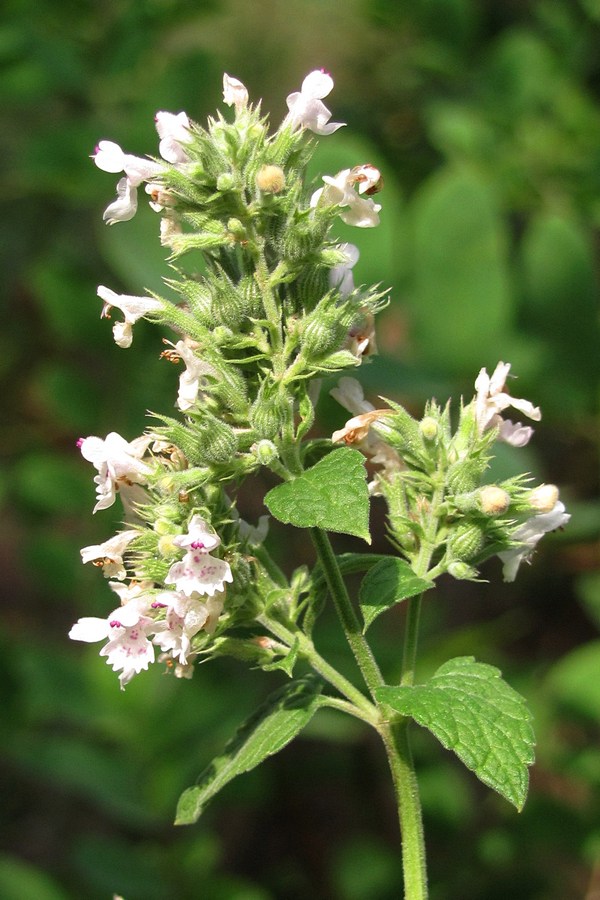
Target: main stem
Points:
(346, 614)
(396, 739)
(397, 745)
(396, 735)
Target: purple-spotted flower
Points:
(199, 572)
(185, 617)
(129, 649)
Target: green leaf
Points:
(472, 711)
(274, 724)
(333, 495)
(387, 583)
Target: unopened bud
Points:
(466, 541)
(543, 498)
(265, 452)
(429, 427)
(270, 179)
(323, 335)
(235, 227)
(222, 334)
(462, 571)
(493, 501)
(163, 526)
(225, 182)
(216, 441)
(166, 547)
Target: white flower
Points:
(492, 399)
(120, 467)
(109, 157)
(350, 395)
(339, 191)
(185, 617)
(199, 572)
(169, 229)
(133, 308)
(368, 178)
(109, 555)
(195, 370)
(128, 650)
(253, 535)
(125, 206)
(357, 430)
(234, 93)
(305, 107)
(340, 276)
(361, 340)
(528, 535)
(173, 131)
(198, 536)
(159, 197)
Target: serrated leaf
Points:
(471, 710)
(333, 495)
(387, 583)
(274, 724)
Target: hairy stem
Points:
(346, 614)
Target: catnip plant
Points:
(272, 310)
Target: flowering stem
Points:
(348, 618)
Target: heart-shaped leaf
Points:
(332, 495)
(474, 712)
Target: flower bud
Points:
(323, 334)
(235, 228)
(166, 547)
(268, 412)
(466, 541)
(493, 501)
(429, 427)
(544, 498)
(222, 335)
(216, 441)
(270, 179)
(461, 571)
(265, 452)
(225, 182)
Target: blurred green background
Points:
(485, 119)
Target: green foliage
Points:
(474, 713)
(388, 582)
(268, 731)
(331, 495)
